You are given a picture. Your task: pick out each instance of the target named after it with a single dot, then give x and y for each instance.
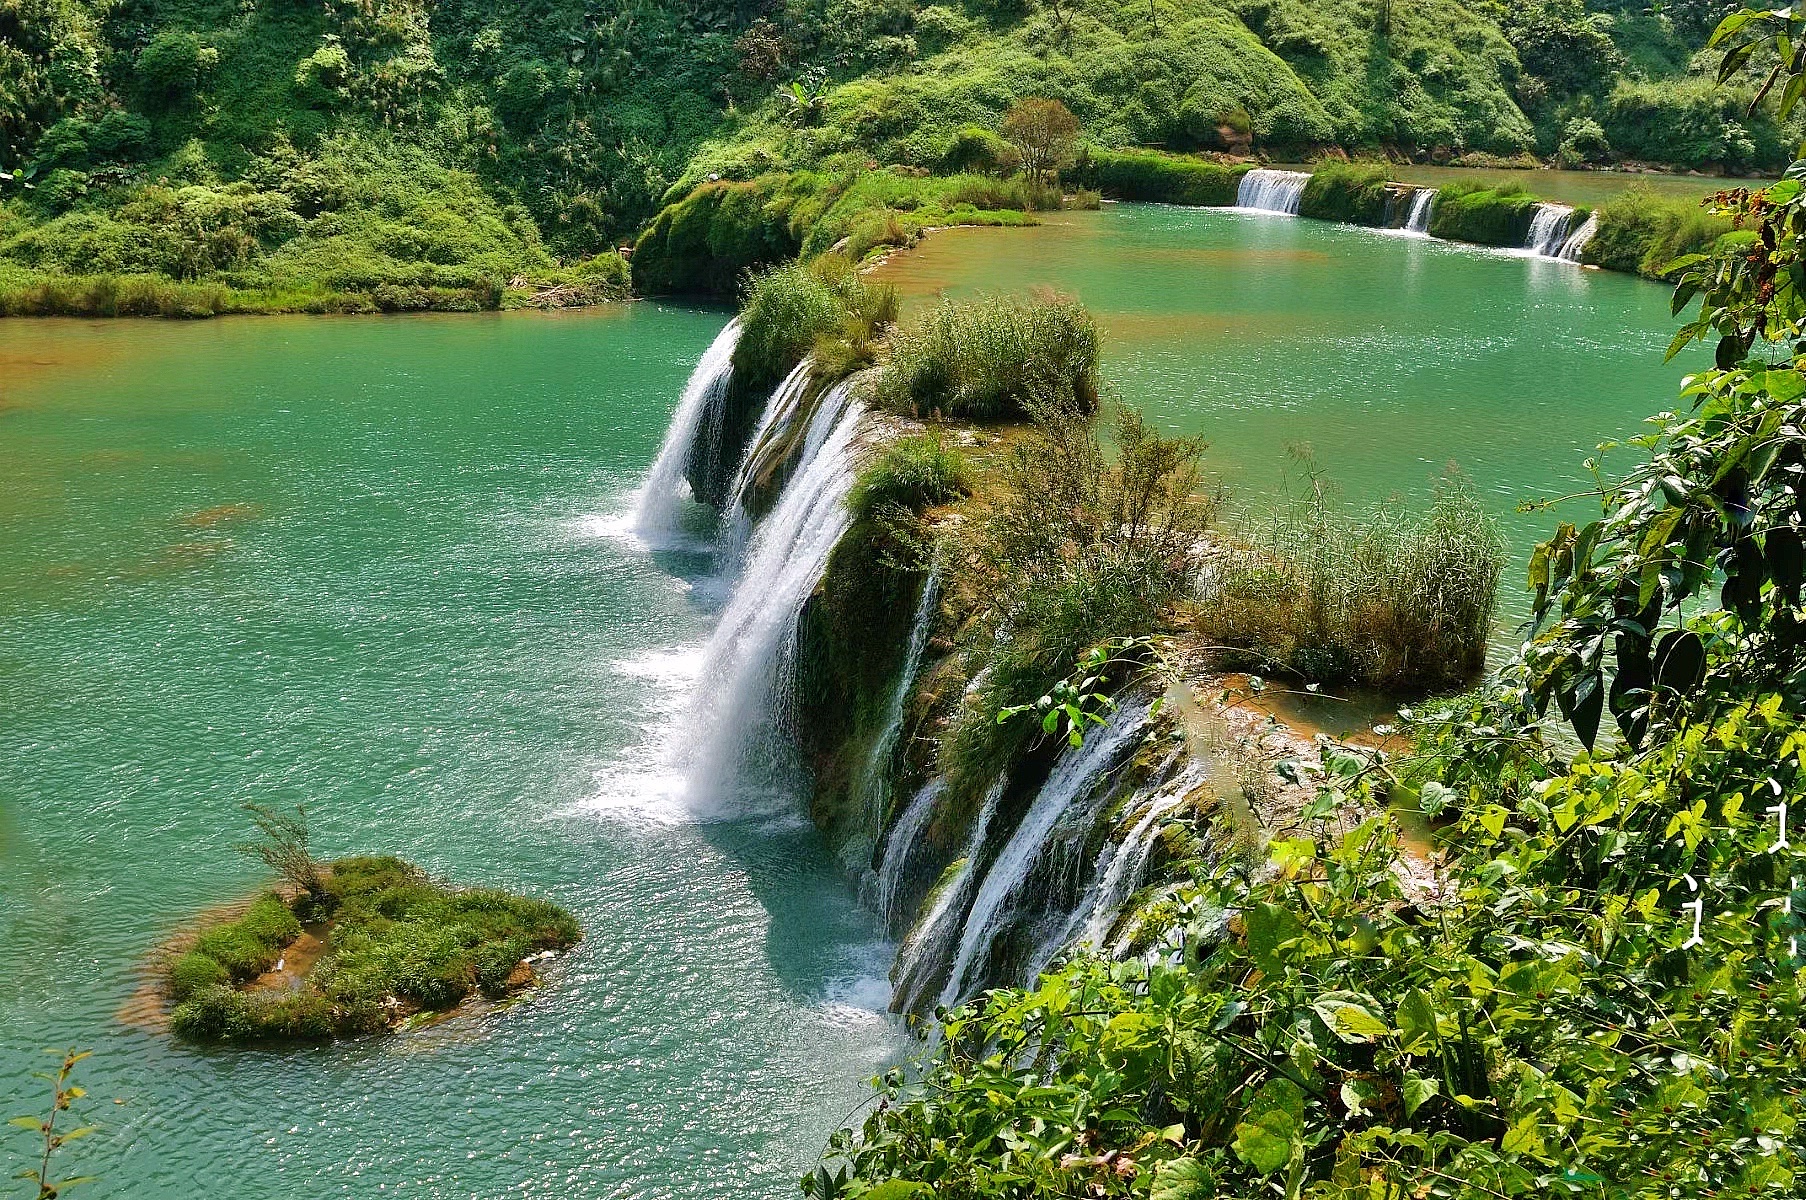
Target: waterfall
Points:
(936, 930)
(767, 439)
(1549, 230)
(750, 660)
(876, 778)
(1423, 204)
(1576, 245)
(1272, 191)
(905, 834)
(665, 490)
(1075, 773)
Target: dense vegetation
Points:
(187, 157)
(1589, 989)
(397, 943)
(993, 358)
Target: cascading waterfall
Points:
(665, 490)
(875, 784)
(1272, 191)
(935, 933)
(905, 834)
(1423, 205)
(774, 420)
(1549, 230)
(1576, 245)
(750, 660)
(1075, 775)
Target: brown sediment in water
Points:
(219, 514)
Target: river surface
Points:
(378, 566)
(371, 565)
(1383, 358)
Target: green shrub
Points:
(1642, 232)
(1385, 601)
(1159, 178)
(1692, 123)
(249, 946)
(709, 239)
(914, 473)
(989, 358)
(1483, 216)
(979, 150)
(1354, 193)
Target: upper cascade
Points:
(698, 415)
(1272, 191)
(1549, 230)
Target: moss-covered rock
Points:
(1159, 178)
(1487, 217)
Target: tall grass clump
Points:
(1642, 232)
(1384, 600)
(1351, 192)
(990, 358)
(1077, 545)
(1158, 178)
(793, 310)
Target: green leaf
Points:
(1524, 1138)
(1265, 1143)
(1349, 1018)
(1269, 928)
(1417, 1023)
(35, 1124)
(1183, 1179)
(1418, 1091)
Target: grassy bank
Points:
(390, 943)
(1150, 176)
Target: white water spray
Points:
(1549, 230)
(1272, 191)
(905, 835)
(1075, 774)
(665, 490)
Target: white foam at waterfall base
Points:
(1073, 776)
(661, 498)
(646, 783)
(1272, 191)
(1548, 230)
(746, 698)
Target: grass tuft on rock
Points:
(991, 358)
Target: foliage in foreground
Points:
(398, 943)
(49, 1138)
(1385, 600)
(1596, 994)
(990, 358)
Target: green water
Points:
(376, 565)
(367, 564)
(1390, 357)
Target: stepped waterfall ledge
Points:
(1273, 191)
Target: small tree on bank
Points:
(1045, 133)
(282, 847)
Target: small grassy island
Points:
(374, 945)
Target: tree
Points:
(1045, 133)
(282, 847)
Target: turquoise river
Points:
(380, 566)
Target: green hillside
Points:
(396, 154)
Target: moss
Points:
(1485, 217)
(912, 474)
(1151, 176)
(1354, 193)
(250, 945)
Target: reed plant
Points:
(994, 358)
(1383, 599)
